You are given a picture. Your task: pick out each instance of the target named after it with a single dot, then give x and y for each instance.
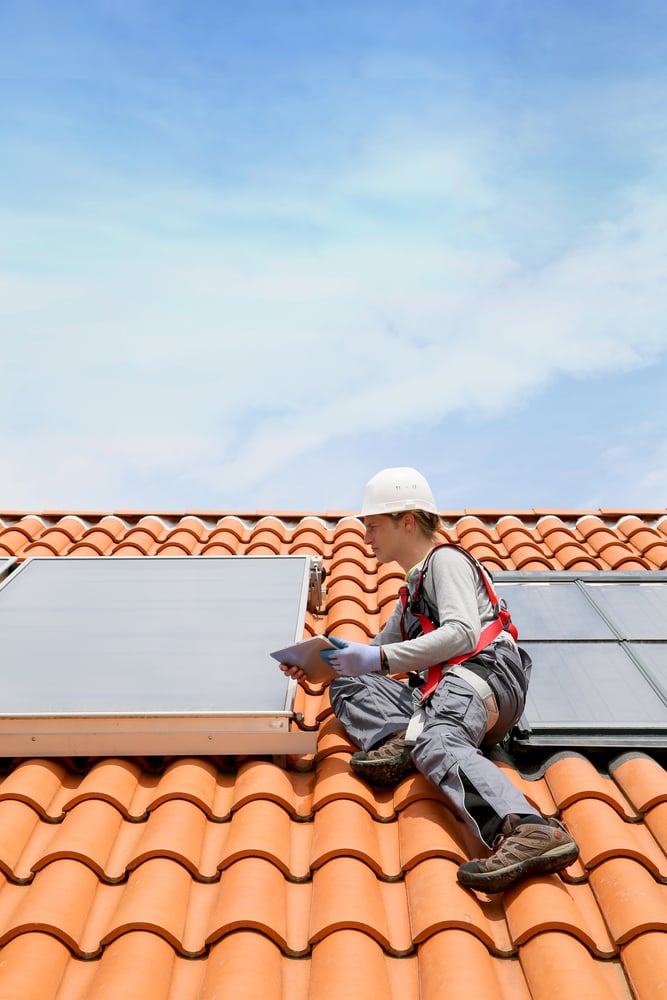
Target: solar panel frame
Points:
(600, 681)
(75, 612)
(7, 563)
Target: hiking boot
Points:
(522, 849)
(387, 764)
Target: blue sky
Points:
(250, 254)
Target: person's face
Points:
(383, 536)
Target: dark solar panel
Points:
(598, 642)
(638, 610)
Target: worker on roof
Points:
(448, 615)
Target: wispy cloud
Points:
(200, 328)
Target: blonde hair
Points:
(430, 524)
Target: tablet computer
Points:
(306, 654)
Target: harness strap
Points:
(501, 622)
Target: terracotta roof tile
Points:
(656, 821)
(645, 964)
(558, 964)
(347, 894)
(437, 902)
(602, 834)
(630, 899)
(549, 904)
(196, 877)
(343, 828)
(572, 778)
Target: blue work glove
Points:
(351, 659)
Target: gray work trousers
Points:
(448, 750)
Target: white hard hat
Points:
(395, 490)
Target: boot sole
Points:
(543, 864)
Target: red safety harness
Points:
(490, 632)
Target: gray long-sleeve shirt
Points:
(452, 585)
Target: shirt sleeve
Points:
(451, 585)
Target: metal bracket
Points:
(317, 592)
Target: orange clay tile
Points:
(514, 534)
(310, 536)
(645, 962)
(33, 966)
(197, 781)
(247, 964)
(656, 556)
(160, 896)
(180, 543)
(642, 779)
(631, 901)
(346, 894)
(348, 620)
(101, 538)
(264, 830)
(352, 560)
(537, 791)
(414, 788)
(524, 556)
(602, 834)
(226, 538)
(310, 701)
(556, 964)
(87, 834)
(146, 535)
(656, 822)
(259, 779)
(343, 828)
(349, 589)
(139, 963)
(18, 824)
(456, 964)
(111, 780)
(638, 533)
(351, 965)
(558, 539)
(549, 904)
(437, 902)
(59, 900)
(335, 780)
(254, 894)
(176, 830)
(332, 738)
(470, 529)
(39, 783)
(267, 537)
(616, 558)
(387, 590)
(22, 532)
(572, 777)
(428, 829)
(57, 540)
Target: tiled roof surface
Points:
(202, 878)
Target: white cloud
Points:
(215, 337)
